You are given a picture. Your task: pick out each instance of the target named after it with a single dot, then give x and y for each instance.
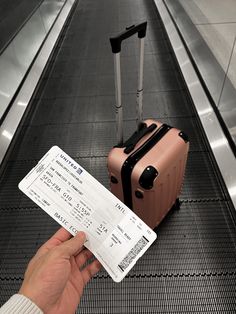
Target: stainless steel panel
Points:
(49, 11)
(209, 68)
(9, 77)
(215, 75)
(12, 120)
(227, 101)
(4, 34)
(13, 14)
(216, 137)
(19, 54)
(17, 57)
(211, 12)
(27, 42)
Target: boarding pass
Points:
(76, 200)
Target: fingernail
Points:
(98, 265)
(82, 235)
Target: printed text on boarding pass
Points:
(77, 201)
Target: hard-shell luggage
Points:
(146, 171)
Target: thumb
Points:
(73, 246)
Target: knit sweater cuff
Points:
(19, 304)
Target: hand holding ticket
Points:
(77, 201)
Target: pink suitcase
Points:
(146, 172)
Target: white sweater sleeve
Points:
(19, 304)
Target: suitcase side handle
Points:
(130, 31)
(116, 48)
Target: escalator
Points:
(191, 267)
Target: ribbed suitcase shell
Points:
(168, 157)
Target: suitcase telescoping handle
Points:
(116, 48)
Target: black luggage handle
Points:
(130, 144)
(130, 31)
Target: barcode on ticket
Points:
(133, 253)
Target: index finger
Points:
(59, 237)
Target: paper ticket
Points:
(78, 202)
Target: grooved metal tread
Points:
(191, 267)
(191, 241)
(90, 139)
(98, 108)
(201, 181)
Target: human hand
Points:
(55, 277)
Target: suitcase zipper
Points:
(132, 160)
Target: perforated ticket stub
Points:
(78, 202)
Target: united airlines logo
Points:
(79, 171)
(71, 163)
